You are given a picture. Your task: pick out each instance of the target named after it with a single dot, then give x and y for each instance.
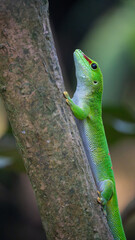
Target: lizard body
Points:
(86, 106)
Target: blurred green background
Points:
(105, 31)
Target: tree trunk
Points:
(31, 86)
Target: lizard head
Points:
(88, 73)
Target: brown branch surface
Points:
(31, 85)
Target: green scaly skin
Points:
(86, 106)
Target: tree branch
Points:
(31, 85)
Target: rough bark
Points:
(31, 86)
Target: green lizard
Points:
(86, 106)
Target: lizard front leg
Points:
(79, 113)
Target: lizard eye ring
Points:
(94, 65)
(95, 82)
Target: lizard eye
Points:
(94, 65)
(95, 82)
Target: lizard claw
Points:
(67, 101)
(99, 197)
(98, 192)
(65, 93)
(99, 200)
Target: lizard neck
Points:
(86, 96)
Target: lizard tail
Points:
(114, 219)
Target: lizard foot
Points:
(68, 99)
(100, 199)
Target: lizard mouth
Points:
(81, 55)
